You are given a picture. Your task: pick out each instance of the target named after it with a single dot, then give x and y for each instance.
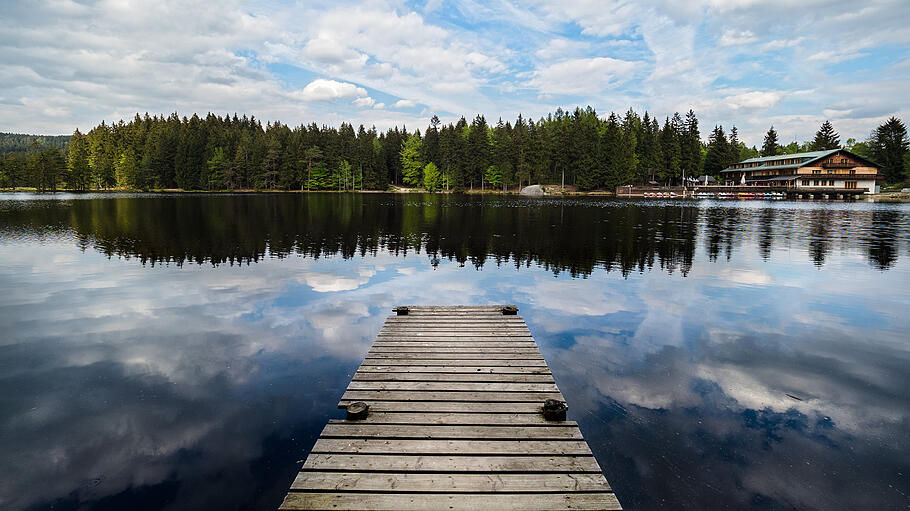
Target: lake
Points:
(184, 351)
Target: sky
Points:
(68, 64)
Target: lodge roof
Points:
(769, 162)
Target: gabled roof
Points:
(769, 162)
(811, 155)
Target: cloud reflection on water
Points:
(199, 385)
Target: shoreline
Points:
(888, 197)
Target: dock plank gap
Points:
(453, 407)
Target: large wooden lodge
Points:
(833, 172)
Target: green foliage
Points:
(858, 147)
(493, 176)
(433, 180)
(79, 173)
(825, 138)
(720, 153)
(344, 175)
(890, 148)
(411, 166)
(127, 169)
(18, 143)
(320, 177)
(770, 147)
(218, 170)
(577, 147)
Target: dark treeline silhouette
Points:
(21, 143)
(576, 148)
(574, 236)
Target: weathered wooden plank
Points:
(451, 333)
(447, 406)
(449, 483)
(454, 386)
(455, 344)
(455, 422)
(455, 377)
(443, 338)
(446, 349)
(428, 355)
(451, 447)
(454, 362)
(368, 430)
(487, 419)
(417, 321)
(383, 367)
(450, 501)
(424, 307)
(411, 395)
(456, 463)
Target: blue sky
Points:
(66, 64)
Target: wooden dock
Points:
(455, 422)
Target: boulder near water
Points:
(533, 191)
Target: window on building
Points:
(850, 184)
(831, 182)
(805, 182)
(816, 182)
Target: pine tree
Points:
(718, 156)
(431, 141)
(890, 147)
(690, 146)
(127, 169)
(79, 173)
(218, 168)
(670, 146)
(493, 176)
(433, 180)
(736, 147)
(411, 166)
(825, 138)
(770, 147)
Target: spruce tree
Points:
(433, 180)
(770, 147)
(79, 173)
(670, 146)
(889, 148)
(718, 155)
(735, 147)
(411, 166)
(690, 146)
(825, 138)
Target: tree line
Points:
(887, 145)
(578, 148)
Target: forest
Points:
(578, 148)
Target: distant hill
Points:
(21, 143)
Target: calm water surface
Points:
(184, 352)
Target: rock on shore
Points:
(533, 191)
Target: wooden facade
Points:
(836, 170)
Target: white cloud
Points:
(331, 52)
(656, 55)
(364, 102)
(404, 103)
(330, 90)
(754, 99)
(562, 47)
(737, 37)
(582, 76)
